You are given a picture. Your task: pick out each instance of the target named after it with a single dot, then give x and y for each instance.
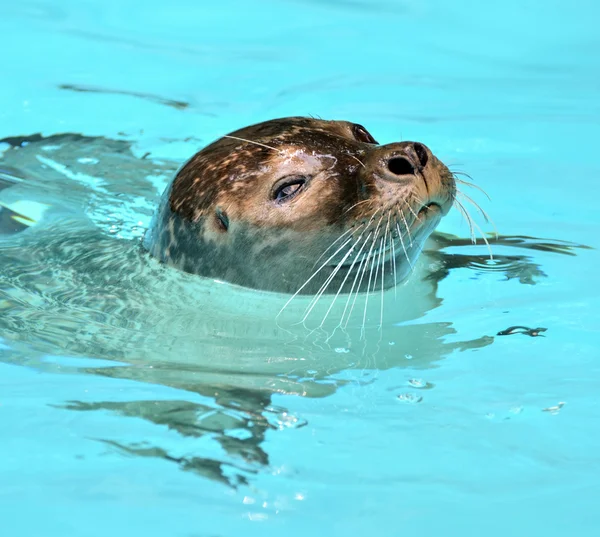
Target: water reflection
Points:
(77, 284)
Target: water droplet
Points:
(257, 517)
(391, 343)
(87, 160)
(417, 383)
(554, 409)
(342, 350)
(282, 419)
(408, 356)
(410, 398)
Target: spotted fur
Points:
(218, 217)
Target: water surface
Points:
(136, 400)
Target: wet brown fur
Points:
(218, 218)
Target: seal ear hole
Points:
(222, 219)
(288, 188)
(363, 135)
(400, 166)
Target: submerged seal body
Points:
(302, 205)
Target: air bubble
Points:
(282, 419)
(410, 398)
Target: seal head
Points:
(302, 205)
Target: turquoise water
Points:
(137, 401)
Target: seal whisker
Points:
(337, 268)
(359, 161)
(464, 174)
(467, 198)
(362, 260)
(407, 203)
(370, 274)
(313, 275)
(420, 201)
(485, 215)
(387, 230)
(364, 321)
(472, 185)
(460, 172)
(378, 255)
(320, 292)
(252, 142)
(406, 226)
(473, 224)
(404, 246)
(393, 255)
(364, 265)
(466, 216)
(355, 205)
(342, 284)
(351, 230)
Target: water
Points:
(135, 400)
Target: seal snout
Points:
(404, 167)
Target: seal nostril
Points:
(400, 166)
(421, 152)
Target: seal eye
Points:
(362, 135)
(289, 188)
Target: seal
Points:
(302, 205)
